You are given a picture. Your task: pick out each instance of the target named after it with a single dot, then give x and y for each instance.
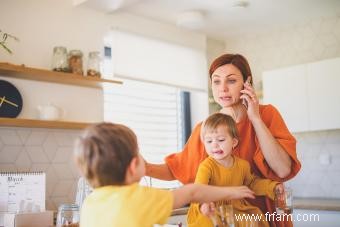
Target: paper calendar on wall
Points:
(17, 188)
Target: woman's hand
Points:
(208, 209)
(279, 188)
(249, 95)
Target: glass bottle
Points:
(75, 62)
(59, 59)
(68, 215)
(83, 190)
(93, 66)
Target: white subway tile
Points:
(62, 188)
(23, 162)
(36, 138)
(10, 153)
(9, 137)
(63, 155)
(51, 180)
(7, 168)
(63, 171)
(24, 134)
(36, 154)
(50, 146)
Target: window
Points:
(154, 109)
(154, 113)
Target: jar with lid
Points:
(68, 215)
(93, 66)
(75, 62)
(59, 59)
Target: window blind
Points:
(153, 112)
(144, 58)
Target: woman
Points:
(265, 141)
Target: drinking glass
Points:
(225, 215)
(284, 201)
(83, 190)
(68, 215)
(247, 223)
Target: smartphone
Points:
(244, 101)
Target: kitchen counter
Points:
(298, 203)
(317, 204)
(180, 211)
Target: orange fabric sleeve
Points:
(184, 164)
(276, 125)
(261, 186)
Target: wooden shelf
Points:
(24, 72)
(30, 123)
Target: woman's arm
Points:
(182, 165)
(159, 171)
(260, 186)
(276, 157)
(201, 193)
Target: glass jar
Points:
(59, 59)
(93, 66)
(75, 62)
(68, 215)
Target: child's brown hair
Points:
(104, 152)
(219, 119)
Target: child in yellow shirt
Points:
(107, 156)
(222, 168)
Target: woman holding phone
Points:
(265, 141)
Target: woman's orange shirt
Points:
(184, 164)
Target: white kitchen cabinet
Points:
(306, 95)
(286, 89)
(324, 94)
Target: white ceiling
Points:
(222, 21)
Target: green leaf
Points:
(6, 48)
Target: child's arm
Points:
(201, 193)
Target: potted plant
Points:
(4, 38)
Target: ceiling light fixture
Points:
(192, 19)
(240, 4)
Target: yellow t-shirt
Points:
(126, 206)
(212, 173)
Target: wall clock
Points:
(10, 100)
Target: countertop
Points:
(298, 203)
(316, 204)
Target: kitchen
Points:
(42, 25)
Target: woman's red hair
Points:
(237, 60)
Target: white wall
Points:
(215, 49)
(310, 41)
(42, 24)
(199, 107)
(144, 58)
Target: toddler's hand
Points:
(241, 192)
(208, 209)
(279, 188)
